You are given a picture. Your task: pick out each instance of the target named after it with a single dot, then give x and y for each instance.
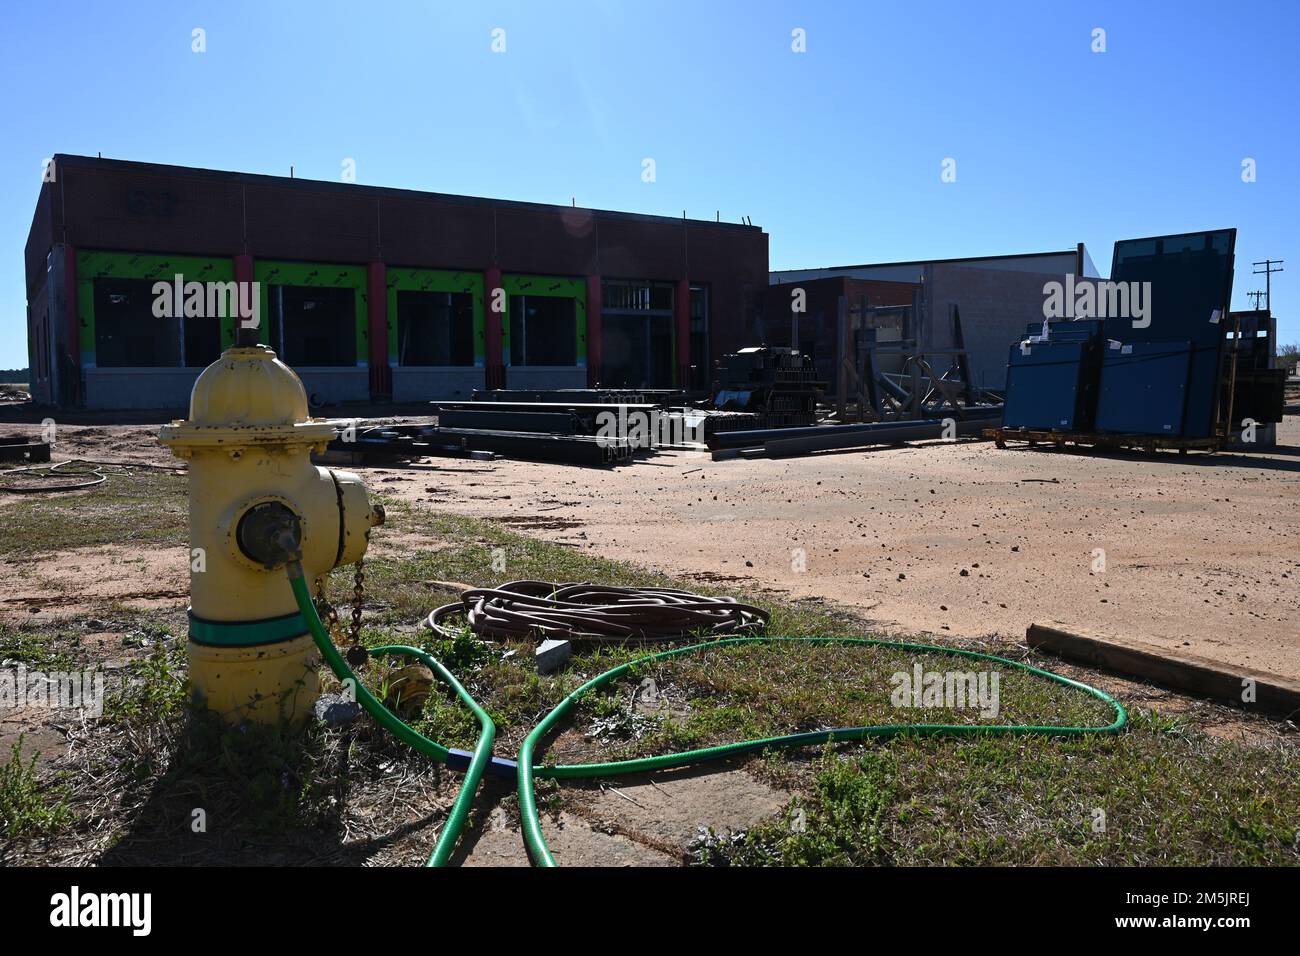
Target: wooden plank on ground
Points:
(1275, 695)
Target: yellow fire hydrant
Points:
(248, 442)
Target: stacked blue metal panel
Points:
(1175, 351)
(1051, 384)
(1160, 372)
(1144, 388)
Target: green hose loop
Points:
(451, 830)
(531, 823)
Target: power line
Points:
(1267, 273)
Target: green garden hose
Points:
(532, 829)
(451, 830)
(526, 772)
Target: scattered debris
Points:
(21, 448)
(551, 655)
(336, 710)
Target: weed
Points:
(158, 685)
(29, 807)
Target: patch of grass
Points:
(1139, 798)
(139, 509)
(48, 649)
(746, 691)
(28, 806)
(160, 782)
(1127, 800)
(254, 778)
(843, 822)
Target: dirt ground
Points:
(1198, 553)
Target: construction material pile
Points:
(1154, 352)
(779, 385)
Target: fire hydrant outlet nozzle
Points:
(258, 504)
(270, 534)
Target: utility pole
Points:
(1267, 273)
(1258, 296)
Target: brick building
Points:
(371, 293)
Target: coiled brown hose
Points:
(593, 612)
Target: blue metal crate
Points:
(1045, 385)
(1191, 278)
(1144, 388)
(1052, 384)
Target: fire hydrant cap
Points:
(248, 386)
(247, 396)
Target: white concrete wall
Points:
(111, 388)
(434, 383)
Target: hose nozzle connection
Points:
(270, 533)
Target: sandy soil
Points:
(84, 580)
(1201, 553)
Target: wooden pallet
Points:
(1147, 443)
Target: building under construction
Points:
(375, 294)
(930, 308)
(371, 293)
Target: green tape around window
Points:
(271, 272)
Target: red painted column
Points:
(71, 390)
(682, 316)
(381, 376)
(495, 374)
(244, 281)
(595, 342)
(243, 268)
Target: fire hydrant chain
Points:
(357, 654)
(358, 599)
(326, 609)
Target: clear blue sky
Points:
(836, 152)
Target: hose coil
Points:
(523, 610)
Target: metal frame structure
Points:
(917, 391)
